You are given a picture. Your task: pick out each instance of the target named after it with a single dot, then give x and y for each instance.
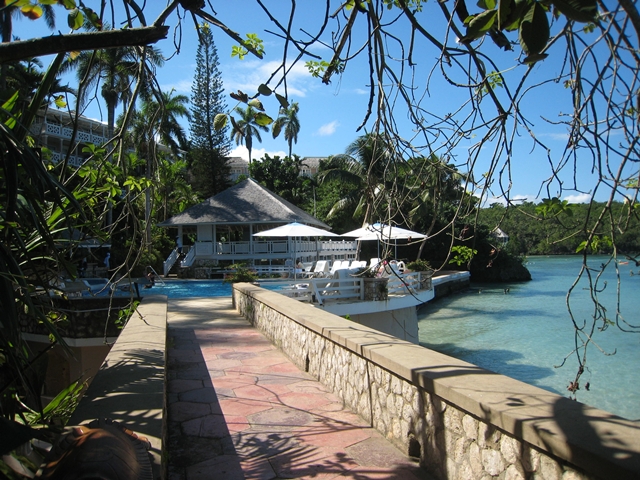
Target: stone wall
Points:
(130, 386)
(462, 421)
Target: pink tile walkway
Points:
(239, 409)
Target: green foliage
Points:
(252, 42)
(125, 314)
(529, 17)
(554, 227)
(419, 265)
(59, 409)
(281, 176)
(210, 143)
(240, 273)
(462, 255)
(317, 68)
(288, 120)
(595, 244)
(554, 207)
(247, 127)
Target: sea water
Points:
(525, 331)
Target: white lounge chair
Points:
(321, 270)
(337, 265)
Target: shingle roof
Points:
(245, 202)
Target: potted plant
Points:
(375, 288)
(426, 272)
(240, 273)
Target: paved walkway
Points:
(238, 408)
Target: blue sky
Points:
(330, 114)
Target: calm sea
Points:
(526, 332)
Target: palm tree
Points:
(165, 114)
(367, 164)
(439, 191)
(245, 129)
(158, 120)
(7, 12)
(115, 68)
(288, 119)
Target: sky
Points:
(331, 114)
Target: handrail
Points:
(169, 262)
(187, 261)
(319, 290)
(157, 278)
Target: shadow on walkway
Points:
(238, 408)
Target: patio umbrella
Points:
(382, 232)
(294, 230)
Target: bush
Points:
(240, 274)
(419, 266)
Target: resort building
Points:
(221, 231)
(54, 129)
(239, 166)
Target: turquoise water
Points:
(192, 288)
(527, 331)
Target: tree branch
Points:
(37, 47)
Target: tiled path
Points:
(238, 408)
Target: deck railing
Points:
(273, 247)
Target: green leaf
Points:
(578, 10)
(264, 90)
(504, 8)
(69, 4)
(479, 25)
(240, 96)
(239, 52)
(277, 128)
(487, 4)
(59, 101)
(257, 104)
(32, 12)
(534, 30)
(92, 17)
(10, 103)
(263, 119)
(220, 121)
(75, 20)
(48, 2)
(284, 103)
(514, 13)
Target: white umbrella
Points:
(382, 232)
(296, 229)
(293, 230)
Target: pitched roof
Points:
(245, 202)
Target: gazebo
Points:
(220, 230)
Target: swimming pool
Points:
(190, 288)
(196, 288)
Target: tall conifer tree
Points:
(209, 147)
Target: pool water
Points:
(191, 288)
(195, 288)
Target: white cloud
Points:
(579, 198)
(556, 136)
(361, 91)
(247, 75)
(182, 86)
(256, 153)
(328, 129)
